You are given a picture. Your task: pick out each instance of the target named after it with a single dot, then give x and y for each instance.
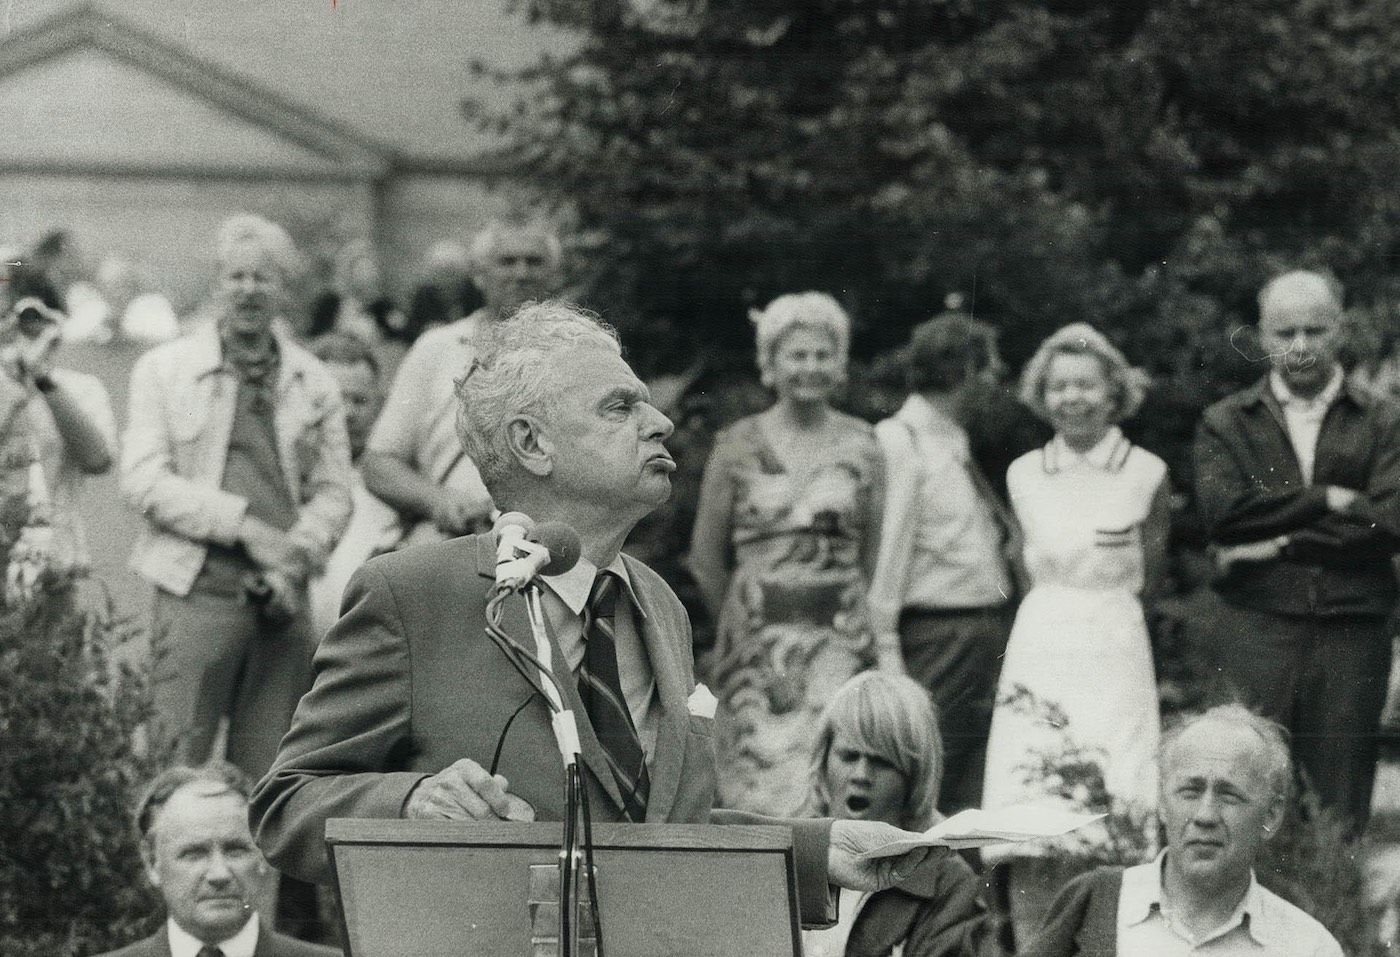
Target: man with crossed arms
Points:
(411, 699)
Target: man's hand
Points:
(1264, 551)
(465, 792)
(850, 839)
(272, 548)
(1339, 499)
(455, 513)
(34, 357)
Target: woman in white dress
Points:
(1078, 672)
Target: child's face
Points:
(863, 786)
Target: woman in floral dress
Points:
(783, 544)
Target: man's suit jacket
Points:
(407, 683)
(270, 944)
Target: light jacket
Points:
(182, 402)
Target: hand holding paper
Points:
(978, 828)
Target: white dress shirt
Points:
(241, 944)
(1302, 418)
(564, 599)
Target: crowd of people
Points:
(895, 641)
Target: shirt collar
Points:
(574, 586)
(924, 415)
(242, 944)
(1141, 896)
(1107, 454)
(1322, 400)
(207, 352)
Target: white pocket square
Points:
(702, 703)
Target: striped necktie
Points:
(209, 950)
(600, 688)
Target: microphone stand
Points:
(566, 735)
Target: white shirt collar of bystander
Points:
(242, 944)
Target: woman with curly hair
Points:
(783, 544)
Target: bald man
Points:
(1298, 480)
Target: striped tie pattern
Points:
(600, 688)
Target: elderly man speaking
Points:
(410, 698)
(1225, 781)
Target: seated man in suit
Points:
(1225, 780)
(411, 701)
(200, 856)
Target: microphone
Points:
(553, 549)
(509, 531)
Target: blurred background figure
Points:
(941, 596)
(236, 455)
(1078, 669)
(784, 541)
(373, 525)
(878, 756)
(137, 313)
(356, 305)
(446, 292)
(71, 428)
(415, 461)
(58, 256)
(200, 857)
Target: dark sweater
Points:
(950, 921)
(1083, 919)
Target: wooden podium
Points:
(447, 889)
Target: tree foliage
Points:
(70, 874)
(1140, 164)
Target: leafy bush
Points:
(70, 764)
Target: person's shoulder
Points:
(1027, 463)
(145, 947)
(1293, 924)
(1227, 407)
(76, 381)
(433, 561)
(284, 946)
(645, 578)
(1148, 464)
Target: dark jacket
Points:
(1249, 488)
(949, 921)
(270, 944)
(1083, 919)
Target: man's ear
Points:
(148, 858)
(1273, 823)
(530, 445)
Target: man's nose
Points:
(218, 872)
(659, 426)
(1207, 810)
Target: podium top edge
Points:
(676, 837)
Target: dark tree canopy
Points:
(1140, 164)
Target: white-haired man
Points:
(411, 700)
(1298, 480)
(1225, 779)
(236, 454)
(414, 460)
(200, 857)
